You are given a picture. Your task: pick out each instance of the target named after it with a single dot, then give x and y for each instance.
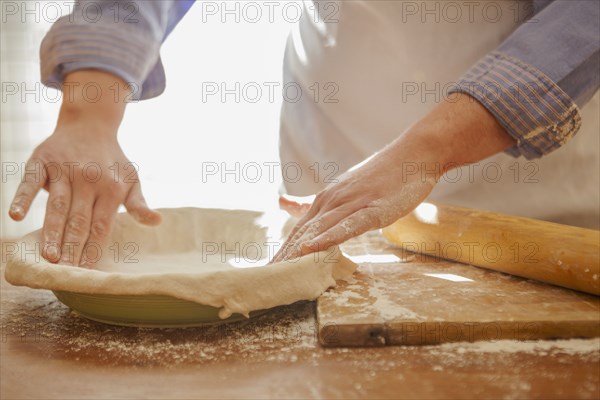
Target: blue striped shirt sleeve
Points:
(534, 82)
(118, 36)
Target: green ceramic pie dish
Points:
(149, 311)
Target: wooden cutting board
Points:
(401, 298)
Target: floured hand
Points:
(373, 196)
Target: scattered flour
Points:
(390, 310)
(538, 347)
(38, 324)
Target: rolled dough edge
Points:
(236, 291)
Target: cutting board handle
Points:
(559, 254)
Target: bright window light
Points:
(427, 213)
(374, 258)
(239, 262)
(450, 277)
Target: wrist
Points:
(418, 156)
(94, 97)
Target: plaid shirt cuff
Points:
(117, 48)
(529, 105)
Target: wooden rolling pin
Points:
(559, 254)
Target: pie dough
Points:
(209, 256)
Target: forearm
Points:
(455, 133)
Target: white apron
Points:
(366, 78)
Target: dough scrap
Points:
(189, 256)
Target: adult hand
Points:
(87, 176)
(397, 179)
(370, 197)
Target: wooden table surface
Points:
(47, 352)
